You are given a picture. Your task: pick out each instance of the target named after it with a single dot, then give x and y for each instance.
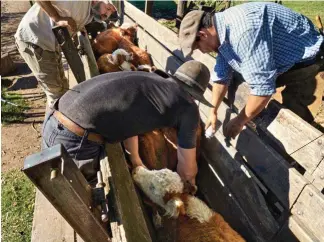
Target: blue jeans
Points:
(85, 153)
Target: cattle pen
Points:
(267, 183)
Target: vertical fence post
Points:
(149, 7)
(180, 12)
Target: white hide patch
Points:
(156, 183)
(145, 67)
(125, 66)
(198, 209)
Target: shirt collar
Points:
(219, 23)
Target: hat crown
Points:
(188, 30)
(195, 74)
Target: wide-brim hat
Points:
(188, 31)
(193, 76)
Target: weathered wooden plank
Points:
(48, 224)
(292, 134)
(309, 209)
(226, 161)
(88, 58)
(220, 199)
(68, 191)
(269, 166)
(128, 203)
(319, 176)
(294, 231)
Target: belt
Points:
(76, 129)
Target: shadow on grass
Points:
(12, 107)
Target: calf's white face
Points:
(156, 184)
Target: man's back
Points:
(36, 26)
(123, 104)
(262, 41)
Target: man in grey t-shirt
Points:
(37, 44)
(119, 106)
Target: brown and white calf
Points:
(195, 221)
(119, 60)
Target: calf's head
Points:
(164, 187)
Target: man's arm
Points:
(53, 14)
(219, 91)
(221, 76)
(131, 146)
(187, 164)
(254, 105)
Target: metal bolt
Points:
(53, 173)
(311, 194)
(100, 181)
(104, 217)
(319, 142)
(322, 57)
(299, 212)
(322, 177)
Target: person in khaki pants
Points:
(37, 44)
(270, 46)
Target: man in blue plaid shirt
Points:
(270, 46)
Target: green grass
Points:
(17, 206)
(9, 112)
(310, 8)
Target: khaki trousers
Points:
(48, 69)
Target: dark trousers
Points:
(85, 153)
(301, 90)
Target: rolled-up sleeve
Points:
(222, 71)
(257, 66)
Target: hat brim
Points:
(190, 90)
(196, 95)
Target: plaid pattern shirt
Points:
(261, 41)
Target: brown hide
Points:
(186, 229)
(158, 149)
(108, 41)
(106, 65)
(140, 57)
(215, 230)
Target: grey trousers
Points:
(48, 69)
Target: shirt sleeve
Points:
(187, 127)
(222, 71)
(257, 66)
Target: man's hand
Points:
(212, 119)
(233, 127)
(67, 22)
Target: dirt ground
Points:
(22, 139)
